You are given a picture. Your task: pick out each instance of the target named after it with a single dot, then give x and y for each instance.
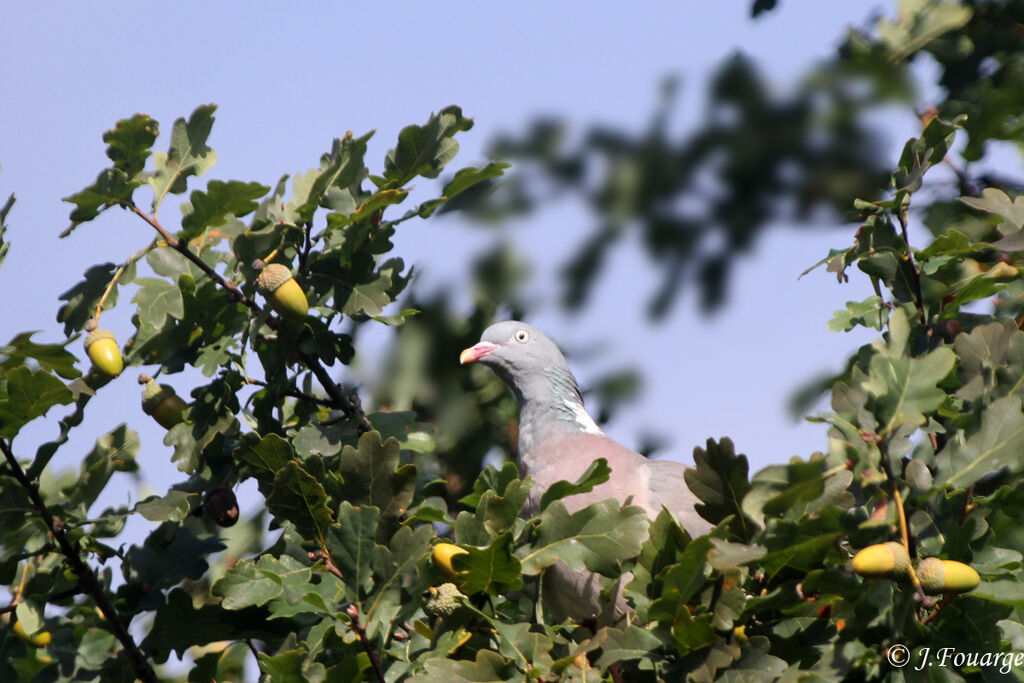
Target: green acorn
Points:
(160, 401)
(101, 345)
(883, 560)
(275, 282)
(946, 576)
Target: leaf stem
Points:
(87, 578)
(357, 626)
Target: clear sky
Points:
(289, 77)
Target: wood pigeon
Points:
(558, 440)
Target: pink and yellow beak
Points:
(476, 352)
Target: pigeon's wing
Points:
(668, 487)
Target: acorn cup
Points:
(946, 576)
(161, 401)
(883, 560)
(282, 292)
(101, 345)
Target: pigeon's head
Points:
(516, 351)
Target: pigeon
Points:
(558, 440)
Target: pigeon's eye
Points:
(522, 336)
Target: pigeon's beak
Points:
(475, 353)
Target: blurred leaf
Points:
(996, 201)
(173, 507)
(188, 155)
(52, 357)
(920, 23)
(4, 210)
(291, 666)
(725, 555)
(113, 452)
(26, 394)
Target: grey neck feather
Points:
(550, 404)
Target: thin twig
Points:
(338, 398)
(87, 578)
(294, 393)
(353, 613)
(901, 215)
(182, 247)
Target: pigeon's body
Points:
(558, 440)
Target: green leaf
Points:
(52, 357)
(156, 300)
(1002, 591)
(111, 188)
(4, 210)
(998, 443)
(622, 644)
(291, 666)
(173, 507)
(402, 425)
(341, 168)
(221, 199)
(113, 452)
(188, 155)
(983, 352)
(872, 312)
(265, 456)
(598, 537)
(905, 389)
(491, 568)
(719, 479)
(920, 154)
(353, 548)
(597, 473)
(298, 497)
(725, 555)
(488, 667)
(27, 394)
(129, 143)
(425, 150)
(372, 475)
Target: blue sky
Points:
(288, 79)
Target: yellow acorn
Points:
(40, 639)
(946, 576)
(101, 345)
(160, 401)
(284, 294)
(882, 560)
(442, 557)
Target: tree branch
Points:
(87, 578)
(353, 613)
(348, 405)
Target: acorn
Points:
(160, 401)
(276, 284)
(222, 506)
(946, 576)
(101, 345)
(442, 557)
(882, 560)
